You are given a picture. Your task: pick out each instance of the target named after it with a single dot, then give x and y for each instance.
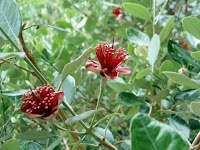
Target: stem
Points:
(5, 60)
(102, 87)
(40, 76)
(89, 131)
(195, 140)
(154, 15)
(133, 73)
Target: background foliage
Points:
(156, 85)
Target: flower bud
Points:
(182, 71)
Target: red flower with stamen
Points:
(117, 12)
(110, 59)
(43, 103)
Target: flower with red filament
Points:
(117, 12)
(184, 44)
(43, 103)
(110, 59)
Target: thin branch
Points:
(74, 136)
(5, 60)
(195, 140)
(28, 54)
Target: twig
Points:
(198, 147)
(195, 140)
(151, 109)
(5, 60)
(74, 136)
(28, 54)
(64, 139)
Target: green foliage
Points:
(164, 79)
(156, 135)
(10, 19)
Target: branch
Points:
(74, 136)
(6, 60)
(195, 140)
(28, 54)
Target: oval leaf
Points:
(136, 36)
(10, 145)
(137, 10)
(196, 55)
(167, 29)
(191, 25)
(72, 65)
(154, 134)
(161, 95)
(82, 116)
(10, 19)
(68, 87)
(195, 108)
(129, 99)
(35, 135)
(181, 79)
(143, 73)
(154, 49)
(32, 146)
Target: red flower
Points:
(110, 59)
(43, 103)
(117, 12)
(184, 44)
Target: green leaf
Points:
(161, 95)
(39, 46)
(180, 55)
(107, 117)
(146, 3)
(132, 53)
(179, 124)
(154, 49)
(187, 95)
(126, 144)
(11, 144)
(68, 87)
(195, 108)
(167, 65)
(90, 25)
(181, 79)
(136, 36)
(32, 146)
(129, 99)
(17, 54)
(143, 73)
(167, 29)
(132, 112)
(35, 135)
(6, 137)
(72, 65)
(56, 142)
(16, 93)
(119, 85)
(155, 135)
(10, 19)
(191, 25)
(82, 116)
(141, 83)
(100, 132)
(196, 55)
(137, 10)
(58, 28)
